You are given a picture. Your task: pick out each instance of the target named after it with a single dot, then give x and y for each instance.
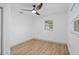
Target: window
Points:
(76, 25)
(48, 25)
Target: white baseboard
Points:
(49, 41)
(20, 43)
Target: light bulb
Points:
(33, 11)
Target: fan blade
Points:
(37, 13)
(39, 6)
(20, 12)
(26, 10)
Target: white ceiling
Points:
(48, 8)
(52, 8)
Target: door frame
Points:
(1, 30)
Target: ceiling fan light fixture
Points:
(33, 11)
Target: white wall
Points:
(20, 26)
(59, 33)
(73, 38)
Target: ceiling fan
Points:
(34, 9)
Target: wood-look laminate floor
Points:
(39, 47)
